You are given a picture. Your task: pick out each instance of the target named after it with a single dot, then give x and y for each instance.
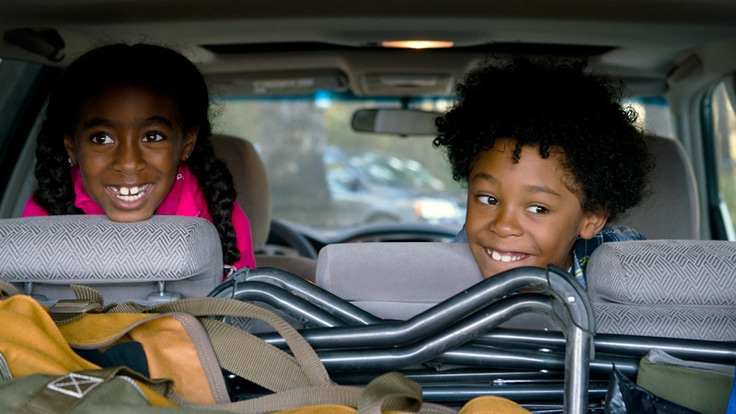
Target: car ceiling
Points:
(641, 41)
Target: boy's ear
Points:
(70, 149)
(593, 222)
(190, 140)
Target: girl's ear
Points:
(190, 140)
(593, 222)
(70, 149)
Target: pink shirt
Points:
(184, 199)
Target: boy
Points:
(549, 157)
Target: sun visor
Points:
(277, 83)
(402, 84)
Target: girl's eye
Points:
(537, 209)
(101, 139)
(487, 199)
(153, 137)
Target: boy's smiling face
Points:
(523, 214)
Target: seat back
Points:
(160, 259)
(398, 280)
(671, 211)
(665, 288)
(254, 196)
(250, 180)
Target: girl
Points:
(126, 134)
(549, 157)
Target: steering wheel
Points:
(282, 234)
(398, 232)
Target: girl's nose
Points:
(505, 223)
(129, 158)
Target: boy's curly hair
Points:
(156, 68)
(551, 104)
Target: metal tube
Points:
(577, 360)
(623, 345)
(445, 313)
(474, 355)
(236, 287)
(295, 307)
(398, 355)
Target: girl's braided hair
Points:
(158, 69)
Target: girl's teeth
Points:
(131, 194)
(126, 191)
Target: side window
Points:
(654, 115)
(19, 106)
(16, 81)
(719, 132)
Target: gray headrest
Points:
(396, 280)
(129, 258)
(666, 288)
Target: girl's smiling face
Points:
(128, 146)
(524, 213)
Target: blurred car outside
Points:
(368, 187)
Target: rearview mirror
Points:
(395, 121)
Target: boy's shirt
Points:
(582, 249)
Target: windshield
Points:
(326, 176)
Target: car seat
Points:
(159, 259)
(671, 211)
(254, 196)
(665, 288)
(399, 280)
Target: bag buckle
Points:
(71, 308)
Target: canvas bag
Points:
(299, 381)
(112, 391)
(703, 387)
(37, 346)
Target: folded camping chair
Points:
(160, 259)
(429, 287)
(437, 327)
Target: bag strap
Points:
(230, 340)
(298, 381)
(230, 344)
(236, 350)
(389, 392)
(8, 289)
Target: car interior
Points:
(369, 273)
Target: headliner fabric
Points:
(665, 288)
(122, 260)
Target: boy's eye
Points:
(537, 209)
(487, 199)
(101, 139)
(153, 137)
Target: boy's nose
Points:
(505, 223)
